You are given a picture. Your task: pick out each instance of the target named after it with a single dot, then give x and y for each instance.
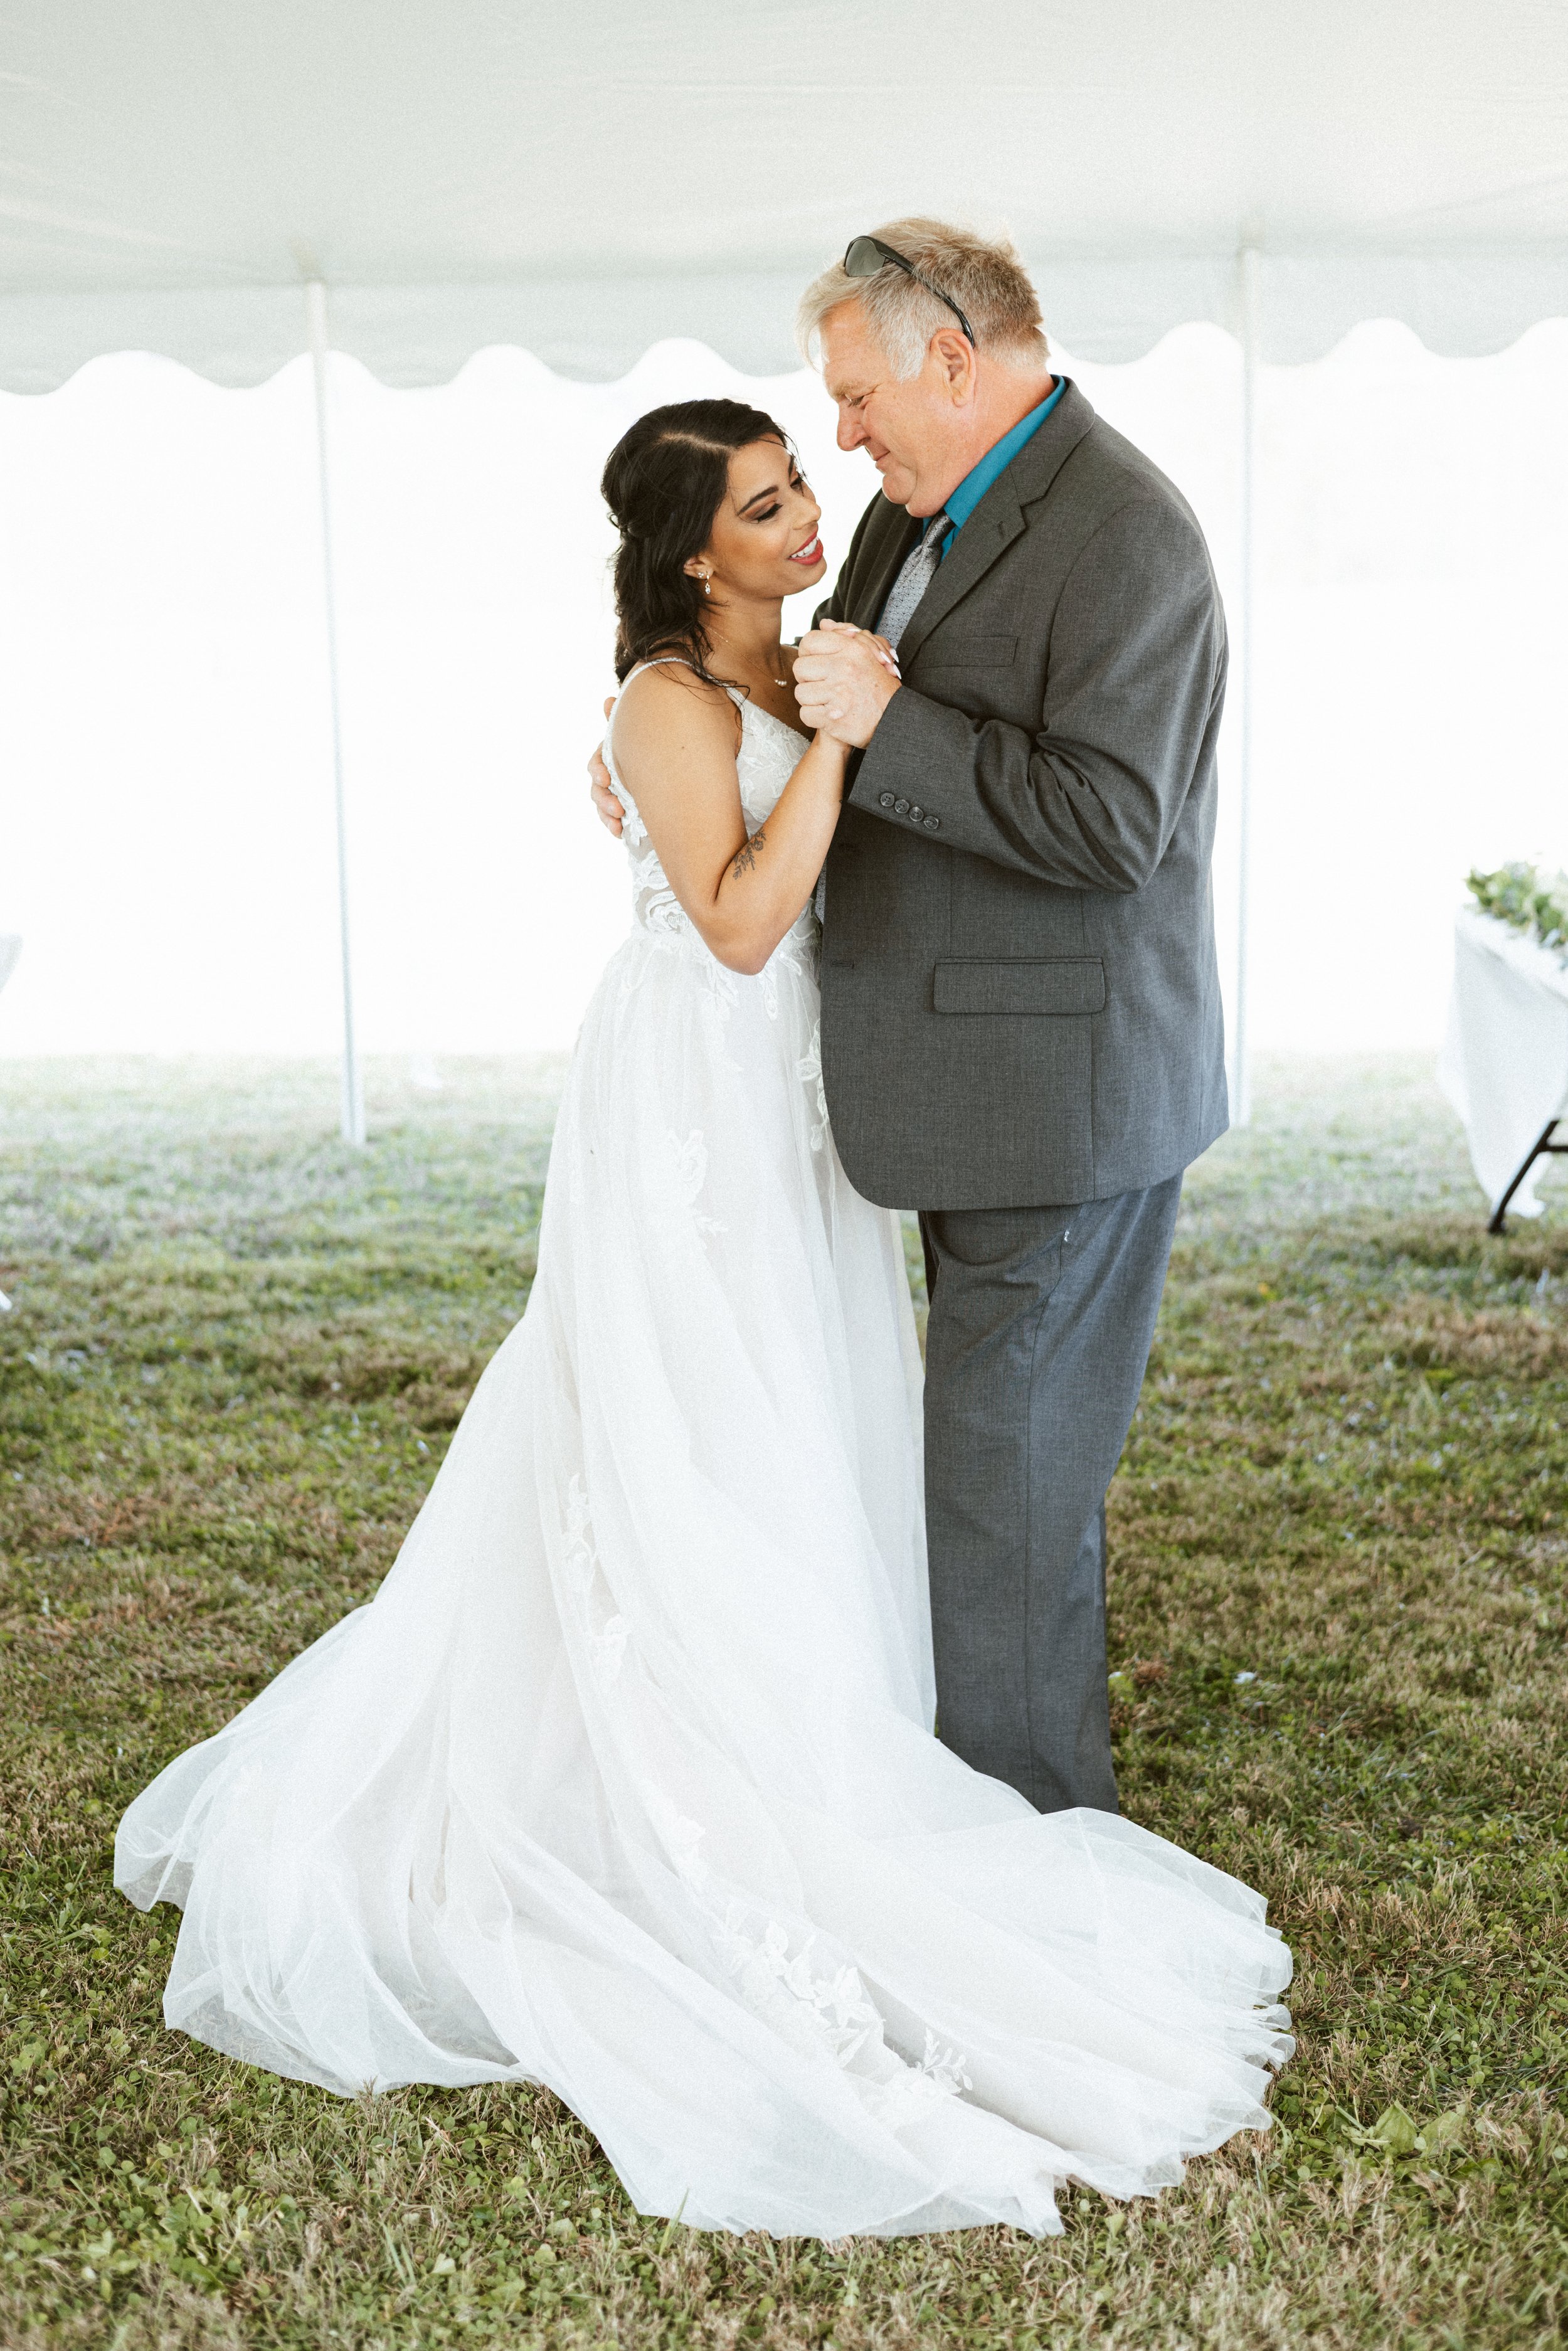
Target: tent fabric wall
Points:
(583, 181)
(596, 328)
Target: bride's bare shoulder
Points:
(668, 707)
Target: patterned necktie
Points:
(919, 571)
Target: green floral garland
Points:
(1528, 899)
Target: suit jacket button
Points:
(932, 824)
(884, 800)
(901, 807)
(915, 810)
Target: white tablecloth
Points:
(1505, 1059)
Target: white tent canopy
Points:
(584, 180)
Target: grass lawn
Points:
(1338, 1607)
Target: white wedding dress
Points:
(625, 1781)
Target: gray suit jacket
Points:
(1020, 1003)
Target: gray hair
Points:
(982, 274)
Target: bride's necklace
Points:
(774, 666)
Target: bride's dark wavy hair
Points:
(664, 484)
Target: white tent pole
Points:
(353, 1110)
(1241, 1063)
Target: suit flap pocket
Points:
(951, 651)
(1052, 984)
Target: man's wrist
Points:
(893, 685)
(877, 766)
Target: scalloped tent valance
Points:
(583, 181)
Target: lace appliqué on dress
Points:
(655, 904)
(834, 2010)
(941, 2072)
(831, 2009)
(610, 1649)
(764, 763)
(581, 1560)
(607, 1630)
(691, 1174)
(809, 1069)
(680, 1837)
(632, 829)
(835, 2007)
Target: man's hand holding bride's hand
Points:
(844, 679)
(609, 809)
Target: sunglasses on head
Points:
(866, 255)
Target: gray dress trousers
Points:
(1040, 1332)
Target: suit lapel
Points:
(998, 518)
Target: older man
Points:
(1021, 1024)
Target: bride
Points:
(626, 1781)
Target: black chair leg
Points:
(1540, 1149)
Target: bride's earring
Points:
(708, 583)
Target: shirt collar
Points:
(997, 460)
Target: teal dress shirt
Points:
(978, 479)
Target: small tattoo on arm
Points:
(746, 858)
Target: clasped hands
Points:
(844, 679)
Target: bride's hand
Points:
(606, 806)
(844, 679)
